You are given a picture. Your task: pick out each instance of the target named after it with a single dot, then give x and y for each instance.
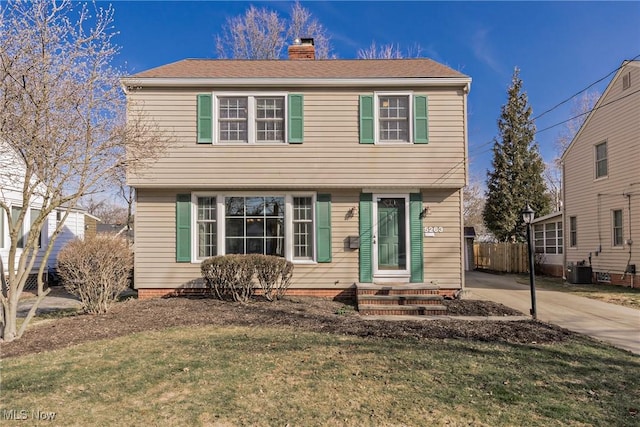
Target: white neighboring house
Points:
(11, 194)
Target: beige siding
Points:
(155, 265)
(330, 156)
(443, 262)
(592, 200)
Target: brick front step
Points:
(403, 289)
(405, 299)
(415, 299)
(400, 310)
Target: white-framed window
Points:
(15, 213)
(303, 227)
(206, 225)
(394, 114)
(602, 167)
(254, 225)
(573, 231)
(548, 238)
(34, 214)
(245, 223)
(250, 118)
(617, 231)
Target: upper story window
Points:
(270, 119)
(232, 119)
(601, 160)
(229, 118)
(393, 118)
(626, 81)
(390, 117)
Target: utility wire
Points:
(562, 122)
(583, 90)
(484, 144)
(588, 112)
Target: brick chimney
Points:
(302, 50)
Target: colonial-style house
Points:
(351, 169)
(601, 169)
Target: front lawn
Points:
(305, 361)
(214, 375)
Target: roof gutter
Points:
(132, 83)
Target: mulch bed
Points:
(308, 314)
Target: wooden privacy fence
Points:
(502, 257)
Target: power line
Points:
(583, 90)
(588, 112)
(484, 144)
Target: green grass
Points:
(269, 376)
(625, 296)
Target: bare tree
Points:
(388, 51)
(579, 108)
(553, 170)
(263, 34)
(108, 212)
(474, 199)
(63, 131)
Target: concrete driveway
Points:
(614, 324)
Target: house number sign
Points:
(432, 230)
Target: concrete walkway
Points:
(58, 299)
(614, 324)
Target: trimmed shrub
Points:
(229, 276)
(97, 270)
(273, 274)
(232, 276)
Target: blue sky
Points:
(560, 47)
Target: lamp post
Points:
(527, 215)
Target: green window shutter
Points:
(420, 120)
(365, 214)
(183, 228)
(205, 119)
(323, 227)
(415, 236)
(367, 118)
(296, 118)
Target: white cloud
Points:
(483, 50)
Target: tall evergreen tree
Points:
(517, 176)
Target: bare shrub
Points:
(96, 270)
(273, 274)
(229, 276)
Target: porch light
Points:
(528, 215)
